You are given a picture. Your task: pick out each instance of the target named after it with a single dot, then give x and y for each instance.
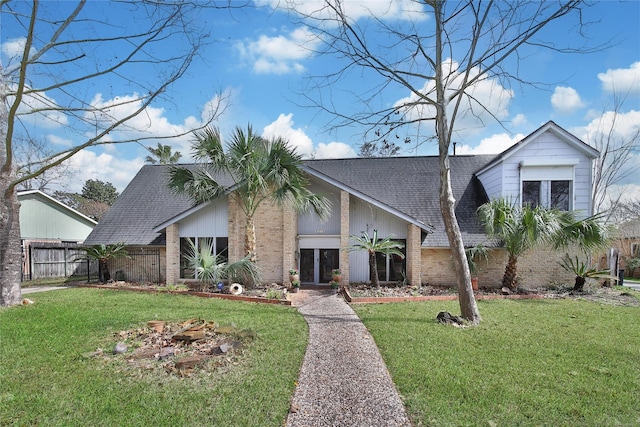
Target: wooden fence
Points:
(51, 260)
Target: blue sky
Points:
(261, 59)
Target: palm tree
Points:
(162, 155)
(522, 228)
(103, 254)
(373, 245)
(261, 169)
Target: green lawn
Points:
(46, 381)
(530, 363)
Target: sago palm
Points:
(103, 254)
(261, 169)
(372, 245)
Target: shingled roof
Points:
(406, 185)
(411, 185)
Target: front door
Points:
(316, 265)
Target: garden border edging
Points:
(258, 300)
(382, 300)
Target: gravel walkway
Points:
(343, 380)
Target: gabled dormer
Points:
(550, 167)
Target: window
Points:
(550, 194)
(531, 193)
(392, 267)
(559, 195)
(221, 249)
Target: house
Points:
(397, 196)
(626, 245)
(49, 230)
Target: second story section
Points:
(550, 167)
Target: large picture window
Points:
(391, 268)
(220, 247)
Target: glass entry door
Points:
(316, 265)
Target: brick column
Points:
(289, 241)
(173, 254)
(414, 255)
(344, 236)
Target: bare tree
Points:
(614, 164)
(69, 55)
(28, 156)
(440, 57)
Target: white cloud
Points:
(13, 50)
(56, 140)
(334, 150)
(86, 164)
(283, 128)
(486, 99)
(519, 120)
(355, 9)
(621, 80)
(280, 54)
(625, 126)
(492, 145)
(566, 100)
(300, 141)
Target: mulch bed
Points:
(365, 294)
(268, 294)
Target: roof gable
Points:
(550, 126)
(37, 194)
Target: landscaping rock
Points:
(120, 348)
(447, 318)
(190, 361)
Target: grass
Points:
(529, 363)
(46, 381)
(52, 281)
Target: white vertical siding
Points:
(211, 221)
(310, 223)
(548, 147)
(366, 217)
(492, 181)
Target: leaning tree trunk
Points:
(373, 270)
(468, 306)
(10, 254)
(510, 278)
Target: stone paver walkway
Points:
(343, 380)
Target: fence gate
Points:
(143, 265)
(50, 260)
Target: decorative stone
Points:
(120, 348)
(449, 319)
(189, 335)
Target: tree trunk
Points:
(373, 270)
(10, 254)
(250, 239)
(579, 285)
(468, 306)
(510, 278)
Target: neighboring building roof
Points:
(43, 217)
(411, 185)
